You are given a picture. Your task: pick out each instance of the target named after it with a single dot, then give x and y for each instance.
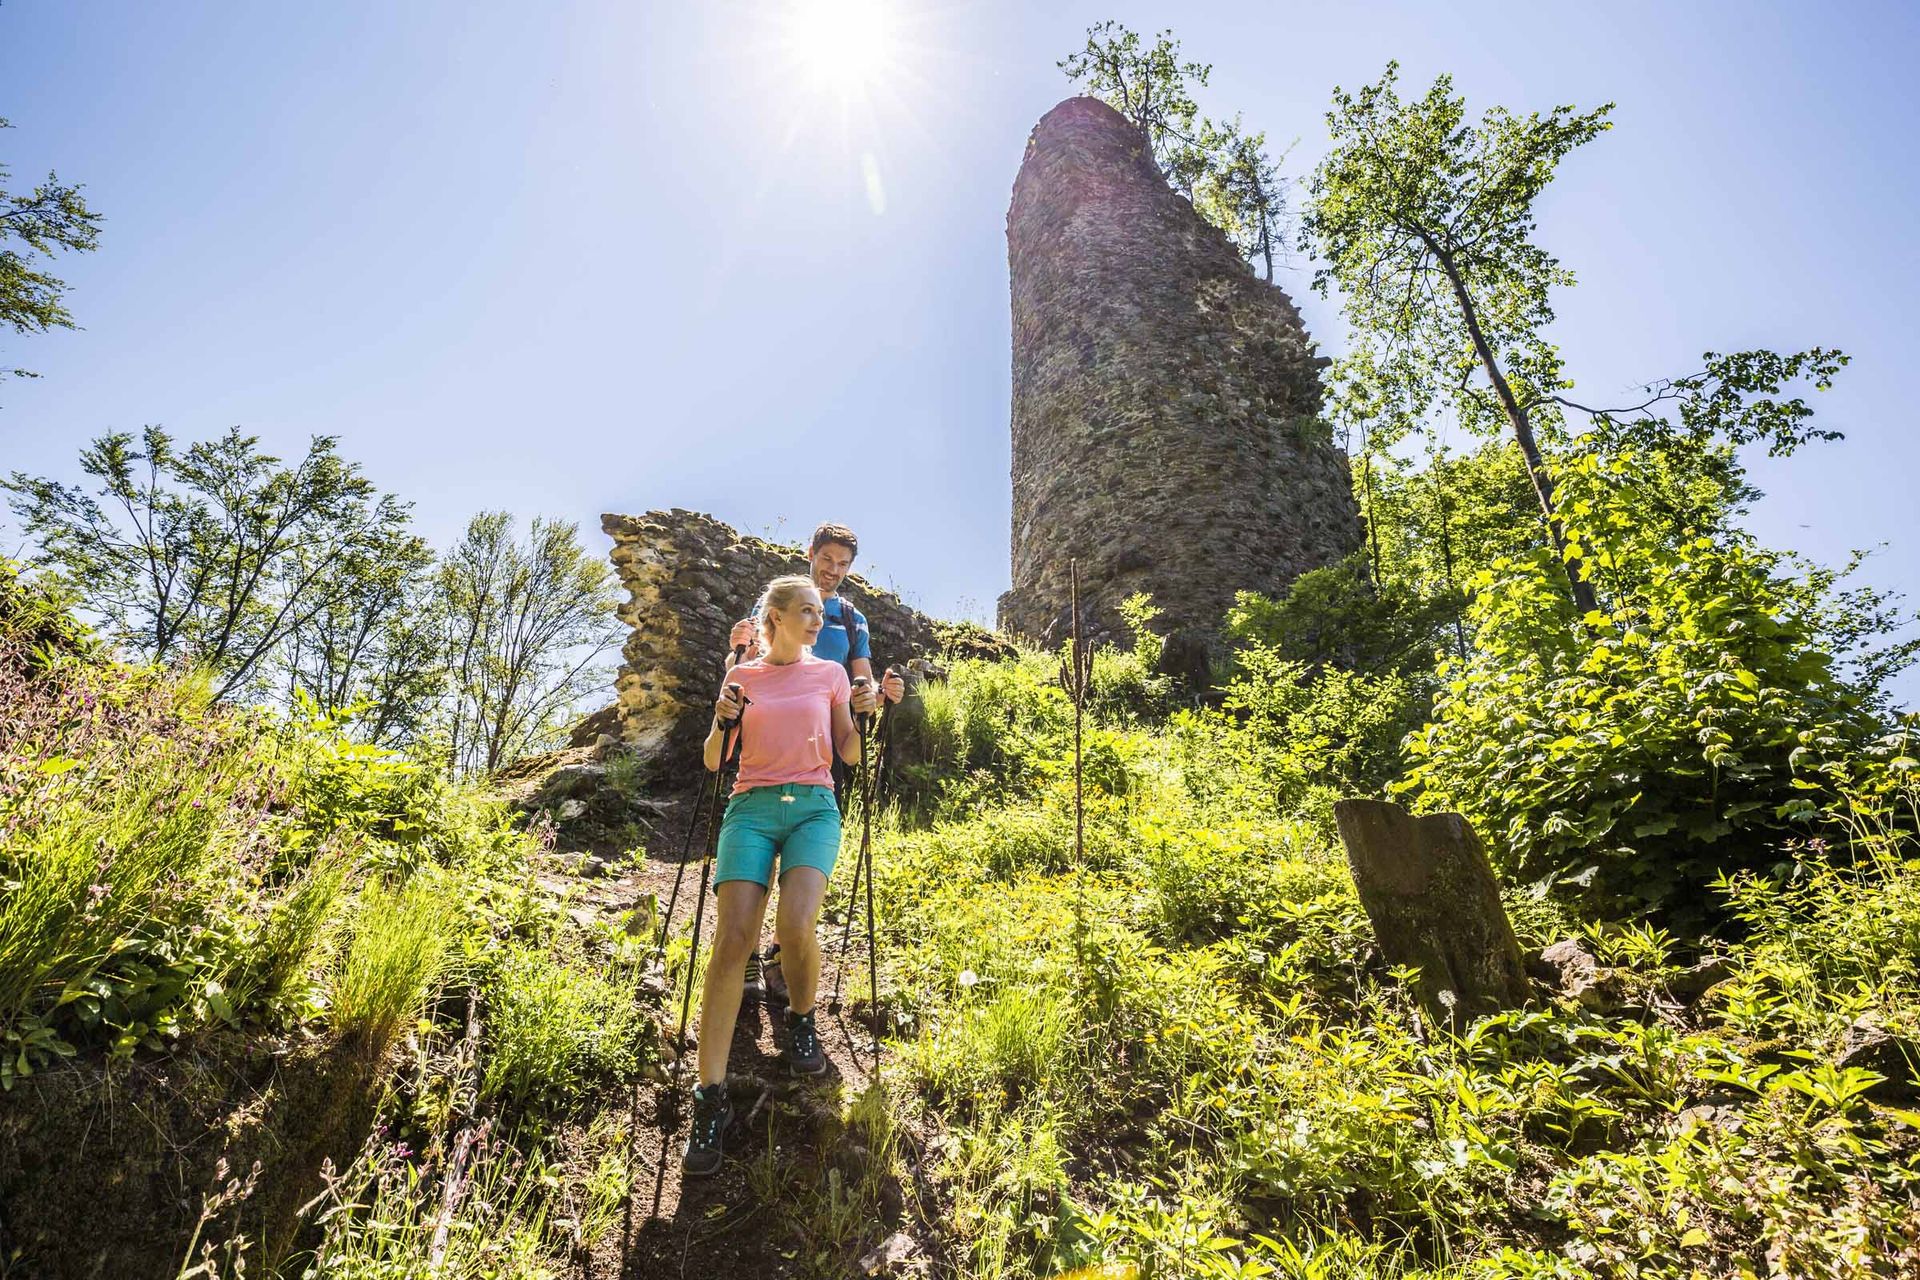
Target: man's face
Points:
(831, 563)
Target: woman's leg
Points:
(736, 931)
(795, 923)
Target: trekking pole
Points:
(706, 806)
(729, 765)
(859, 866)
(873, 945)
(853, 890)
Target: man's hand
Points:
(892, 686)
(745, 632)
(865, 700)
(726, 707)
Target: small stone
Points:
(889, 1254)
(1565, 965)
(572, 810)
(585, 917)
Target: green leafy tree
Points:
(1638, 752)
(1221, 168)
(215, 555)
(46, 220)
(1337, 616)
(1425, 222)
(524, 625)
(371, 656)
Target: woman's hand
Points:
(726, 707)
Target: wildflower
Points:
(968, 977)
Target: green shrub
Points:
(283, 953)
(1638, 752)
(1335, 616)
(554, 1031)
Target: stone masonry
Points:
(1165, 400)
(689, 578)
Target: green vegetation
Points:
(50, 219)
(303, 585)
(180, 877)
(1186, 1056)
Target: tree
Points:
(1425, 223)
(51, 217)
(1222, 169)
(372, 655)
(1242, 192)
(523, 625)
(215, 555)
(1672, 737)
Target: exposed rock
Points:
(569, 781)
(1185, 657)
(1872, 1047)
(1565, 965)
(1570, 969)
(1689, 985)
(889, 1254)
(572, 810)
(1434, 904)
(969, 640)
(1166, 403)
(689, 578)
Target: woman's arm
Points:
(726, 708)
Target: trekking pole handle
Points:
(862, 682)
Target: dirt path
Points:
(738, 1223)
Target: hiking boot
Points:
(775, 982)
(805, 1057)
(754, 987)
(712, 1113)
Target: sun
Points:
(847, 46)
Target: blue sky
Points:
(578, 257)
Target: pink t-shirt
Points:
(789, 721)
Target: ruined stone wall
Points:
(689, 578)
(1165, 400)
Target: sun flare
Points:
(844, 45)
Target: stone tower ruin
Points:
(1166, 401)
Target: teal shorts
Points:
(795, 822)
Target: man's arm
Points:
(861, 664)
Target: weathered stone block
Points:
(1434, 904)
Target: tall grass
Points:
(402, 940)
(118, 835)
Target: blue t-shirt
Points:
(845, 624)
(844, 638)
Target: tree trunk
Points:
(1431, 896)
(1517, 417)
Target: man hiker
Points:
(843, 639)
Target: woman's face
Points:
(803, 618)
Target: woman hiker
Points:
(843, 638)
(783, 810)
